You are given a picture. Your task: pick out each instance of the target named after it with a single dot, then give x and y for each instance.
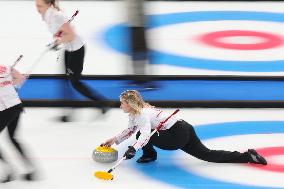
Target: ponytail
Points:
(54, 3)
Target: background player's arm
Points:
(67, 34)
(18, 78)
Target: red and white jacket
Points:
(8, 95)
(54, 20)
(147, 120)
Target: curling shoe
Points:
(10, 177)
(31, 176)
(64, 118)
(254, 157)
(146, 159)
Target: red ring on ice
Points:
(268, 152)
(215, 39)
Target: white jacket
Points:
(8, 95)
(54, 20)
(147, 120)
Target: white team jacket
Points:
(8, 95)
(147, 120)
(54, 20)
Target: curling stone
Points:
(105, 154)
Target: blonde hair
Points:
(134, 100)
(54, 3)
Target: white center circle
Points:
(242, 40)
(277, 159)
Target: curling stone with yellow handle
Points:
(104, 154)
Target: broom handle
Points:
(17, 61)
(161, 124)
(117, 164)
(59, 33)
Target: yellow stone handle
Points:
(105, 149)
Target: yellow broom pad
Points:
(103, 175)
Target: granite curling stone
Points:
(105, 154)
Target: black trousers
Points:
(183, 136)
(74, 62)
(9, 119)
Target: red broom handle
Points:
(58, 34)
(161, 124)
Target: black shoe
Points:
(105, 110)
(64, 118)
(145, 159)
(256, 158)
(9, 178)
(31, 176)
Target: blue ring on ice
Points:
(116, 37)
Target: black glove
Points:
(55, 48)
(130, 153)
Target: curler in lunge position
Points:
(175, 134)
